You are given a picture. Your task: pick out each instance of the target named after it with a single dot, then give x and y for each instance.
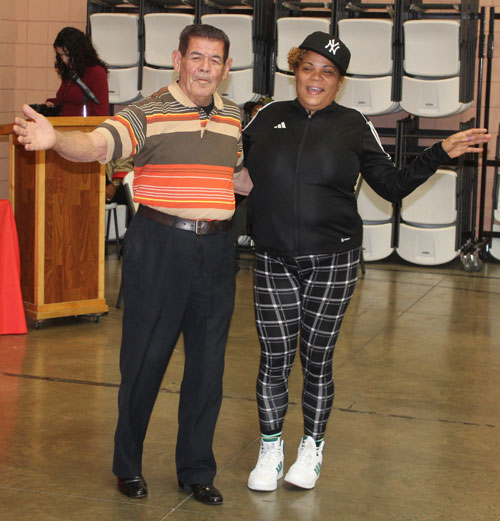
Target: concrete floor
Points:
(414, 434)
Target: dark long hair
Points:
(80, 50)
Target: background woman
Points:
(304, 157)
(75, 52)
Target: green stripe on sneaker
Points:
(271, 437)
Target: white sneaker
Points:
(305, 471)
(269, 468)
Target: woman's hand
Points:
(36, 133)
(465, 142)
(243, 183)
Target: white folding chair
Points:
(123, 85)
(495, 243)
(284, 86)
(116, 38)
(376, 213)
(431, 82)
(432, 48)
(432, 98)
(434, 202)
(371, 207)
(161, 36)
(368, 83)
(238, 87)
(377, 241)
(154, 79)
(428, 229)
(427, 246)
(370, 43)
(371, 96)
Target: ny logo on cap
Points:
(333, 46)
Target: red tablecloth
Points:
(12, 318)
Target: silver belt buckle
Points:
(198, 225)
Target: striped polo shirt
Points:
(184, 160)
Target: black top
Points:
(304, 169)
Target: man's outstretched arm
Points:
(37, 133)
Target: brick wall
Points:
(27, 31)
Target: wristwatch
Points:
(116, 182)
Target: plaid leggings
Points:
(307, 294)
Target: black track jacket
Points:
(304, 169)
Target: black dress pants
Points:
(174, 282)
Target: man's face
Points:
(201, 69)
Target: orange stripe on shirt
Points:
(183, 169)
(157, 118)
(185, 186)
(131, 134)
(184, 203)
(227, 119)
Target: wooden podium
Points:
(59, 209)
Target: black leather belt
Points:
(200, 227)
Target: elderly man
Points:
(178, 263)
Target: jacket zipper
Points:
(295, 194)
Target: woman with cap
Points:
(304, 157)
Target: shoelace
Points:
(307, 453)
(267, 454)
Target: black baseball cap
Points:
(330, 47)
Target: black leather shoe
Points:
(133, 487)
(206, 494)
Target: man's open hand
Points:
(35, 133)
